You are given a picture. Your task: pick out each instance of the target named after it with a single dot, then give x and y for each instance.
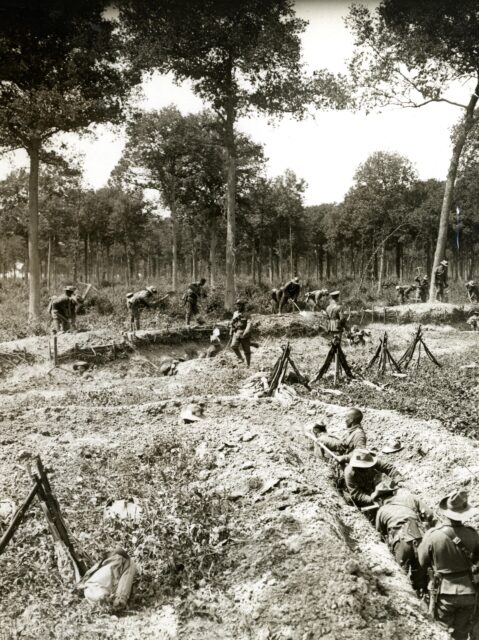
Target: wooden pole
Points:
(55, 349)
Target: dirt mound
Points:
(422, 312)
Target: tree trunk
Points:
(212, 253)
(33, 252)
(230, 285)
(464, 130)
(174, 244)
(381, 267)
(280, 260)
(253, 263)
(291, 263)
(49, 262)
(398, 260)
(271, 266)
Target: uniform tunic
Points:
(335, 315)
(456, 601)
(354, 439)
(361, 483)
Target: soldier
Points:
(403, 292)
(356, 336)
(422, 288)
(63, 310)
(335, 315)
(290, 291)
(363, 474)
(315, 297)
(275, 298)
(136, 302)
(472, 291)
(354, 439)
(450, 551)
(240, 330)
(440, 281)
(190, 299)
(473, 322)
(400, 521)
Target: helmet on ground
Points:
(192, 413)
(151, 289)
(392, 447)
(353, 416)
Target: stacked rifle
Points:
(336, 355)
(417, 342)
(280, 370)
(70, 564)
(384, 358)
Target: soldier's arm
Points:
(424, 552)
(389, 469)
(380, 524)
(247, 329)
(331, 442)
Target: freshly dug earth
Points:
(243, 533)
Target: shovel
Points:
(304, 314)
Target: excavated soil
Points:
(296, 562)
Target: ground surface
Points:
(243, 533)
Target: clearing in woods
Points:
(243, 534)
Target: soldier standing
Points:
(191, 297)
(240, 332)
(335, 315)
(136, 302)
(440, 281)
(450, 551)
(400, 521)
(290, 291)
(63, 310)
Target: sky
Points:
(324, 150)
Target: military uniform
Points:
(354, 439)
(191, 298)
(403, 292)
(361, 483)
(135, 303)
(290, 291)
(440, 282)
(335, 315)
(472, 291)
(63, 312)
(240, 330)
(399, 521)
(422, 288)
(456, 597)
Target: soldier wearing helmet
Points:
(240, 332)
(136, 302)
(63, 309)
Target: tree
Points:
(240, 56)
(58, 73)
(409, 54)
(379, 197)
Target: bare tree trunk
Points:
(230, 285)
(280, 260)
(212, 254)
(271, 266)
(174, 244)
(33, 251)
(381, 267)
(291, 265)
(457, 149)
(49, 262)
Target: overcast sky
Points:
(324, 150)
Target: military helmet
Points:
(240, 303)
(151, 289)
(444, 263)
(70, 289)
(353, 416)
(334, 294)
